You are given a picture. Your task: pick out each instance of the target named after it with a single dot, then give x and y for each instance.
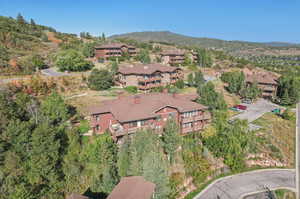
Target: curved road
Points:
(240, 185)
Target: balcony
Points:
(204, 116)
(187, 130)
(149, 86)
(117, 130)
(151, 79)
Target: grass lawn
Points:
(281, 134)
(285, 194)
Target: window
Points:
(97, 127)
(133, 124)
(97, 117)
(171, 116)
(143, 122)
(187, 125)
(158, 118)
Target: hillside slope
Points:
(178, 39)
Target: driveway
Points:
(243, 184)
(256, 110)
(52, 73)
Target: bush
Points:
(100, 80)
(131, 89)
(179, 84)
(71, 60)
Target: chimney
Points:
(137, 99)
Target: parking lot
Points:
(256, 110)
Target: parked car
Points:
(247, 101)
(241, 107)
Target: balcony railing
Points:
(204, 116)
(149, 86)
(151, 79)
(119, 130)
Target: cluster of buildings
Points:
(171, 57)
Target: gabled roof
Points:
(134, 187)
(126, 109)
(114, 45)
(146, 69)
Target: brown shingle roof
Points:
(135, 187)
(263, 78)
(146, 69)
(173, 52)
(125, 109)
(114, 45)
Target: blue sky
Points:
(250, 20)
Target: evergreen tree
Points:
(32, 22)
(199, 79)
(103, 37)
(191, 79)
(155, 170)
(124, 158)
(100, 79)
(45, 159)
(285, 100)
(171, 139)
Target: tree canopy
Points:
(71, 60)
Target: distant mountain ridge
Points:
(178, 39)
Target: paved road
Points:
(241, 185)
(256, 110)
(52, 73)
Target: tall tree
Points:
(124, 158)
(171, 139)
(100, 79)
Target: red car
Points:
(241, 107)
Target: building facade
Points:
(126, 115)
(266, 82)
(114, 50)
(176, 57)
(147, 76)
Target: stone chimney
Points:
(137, 99)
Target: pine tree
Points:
(155, 170)
(103, 37)
(124, 158)
(171, 139)
(199, 79)
(45, 159)
(20, 19)
(32, 22)
(191, 79)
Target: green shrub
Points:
(100, 80)
(131, 89)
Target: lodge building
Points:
(147, 76)
(126, 115)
